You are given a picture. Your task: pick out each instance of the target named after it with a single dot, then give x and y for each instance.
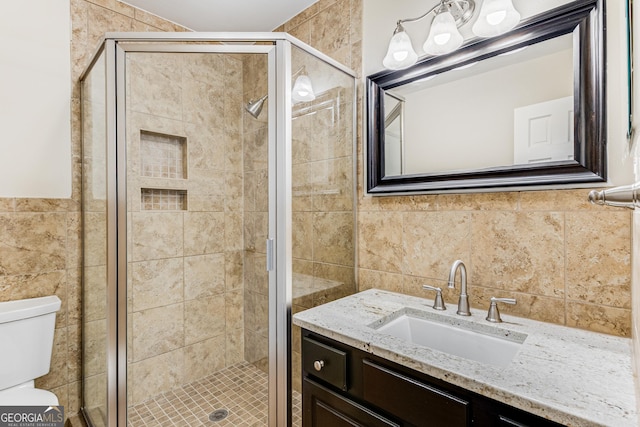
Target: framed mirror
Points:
(523, 109)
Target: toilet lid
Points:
(27, 397)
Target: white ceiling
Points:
(225, 15)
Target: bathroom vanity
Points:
(359, 367)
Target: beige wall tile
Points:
(599, 258)
(380, 280)
(152, 84)
(204, 276)
(157, 235)
(32, 242)
(101, 20)
(157, 283)
(116, 6)
(433, 240)
(256, 312)
(35, 285)
(96, 391)
(204, 358)
(204, 318)
(203, 232)
(381, 241)
(234, 310)
(302, 244)
(599, 318)
(74, 357)
(256, 348)
(333, 242)
(558, 200)
(233, 231)
(158, 330)
(519, 251)
(234, 346)
(234, 270)
(330, 29)
(95, 238)
(94, 293)
(7, 205)
(156, 375)
(469, 202)
(94, 348)
(206, 147)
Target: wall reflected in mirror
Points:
(511, 109)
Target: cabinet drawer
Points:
(419, 404)
(325, 408)
(325, 362)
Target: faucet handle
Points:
(494, 314)
(438, 302)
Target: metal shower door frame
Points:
(279, 242)
(117, 361)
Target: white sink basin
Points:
(482, 343)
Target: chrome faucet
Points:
(463, 301)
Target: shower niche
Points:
(163, 158)
(182, 188)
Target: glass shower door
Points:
(197, 185)
(323, 205)
(185, 141)
(94, 208)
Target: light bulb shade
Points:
(444, 36)
(400, 54)
(496, 17)
(302, 90)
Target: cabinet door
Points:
(322, 407)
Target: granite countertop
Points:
(571, 376)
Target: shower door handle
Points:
(270, 255)
(626, 196)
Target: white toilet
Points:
(26, 341)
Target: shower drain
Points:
(218, 415)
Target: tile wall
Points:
(186, 263)
(565, 261)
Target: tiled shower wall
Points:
(565, 261)
(186, 259)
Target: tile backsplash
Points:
(564, 260)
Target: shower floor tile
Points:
(240, 389)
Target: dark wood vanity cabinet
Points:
(345, 386)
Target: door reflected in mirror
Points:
(502, 111)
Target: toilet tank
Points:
(26, 339)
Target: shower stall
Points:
(218, 199)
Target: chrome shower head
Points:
(255, 107)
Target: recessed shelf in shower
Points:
(154, 199)
(163, 156)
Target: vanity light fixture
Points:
(496, 17)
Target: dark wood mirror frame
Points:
(585, 19)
